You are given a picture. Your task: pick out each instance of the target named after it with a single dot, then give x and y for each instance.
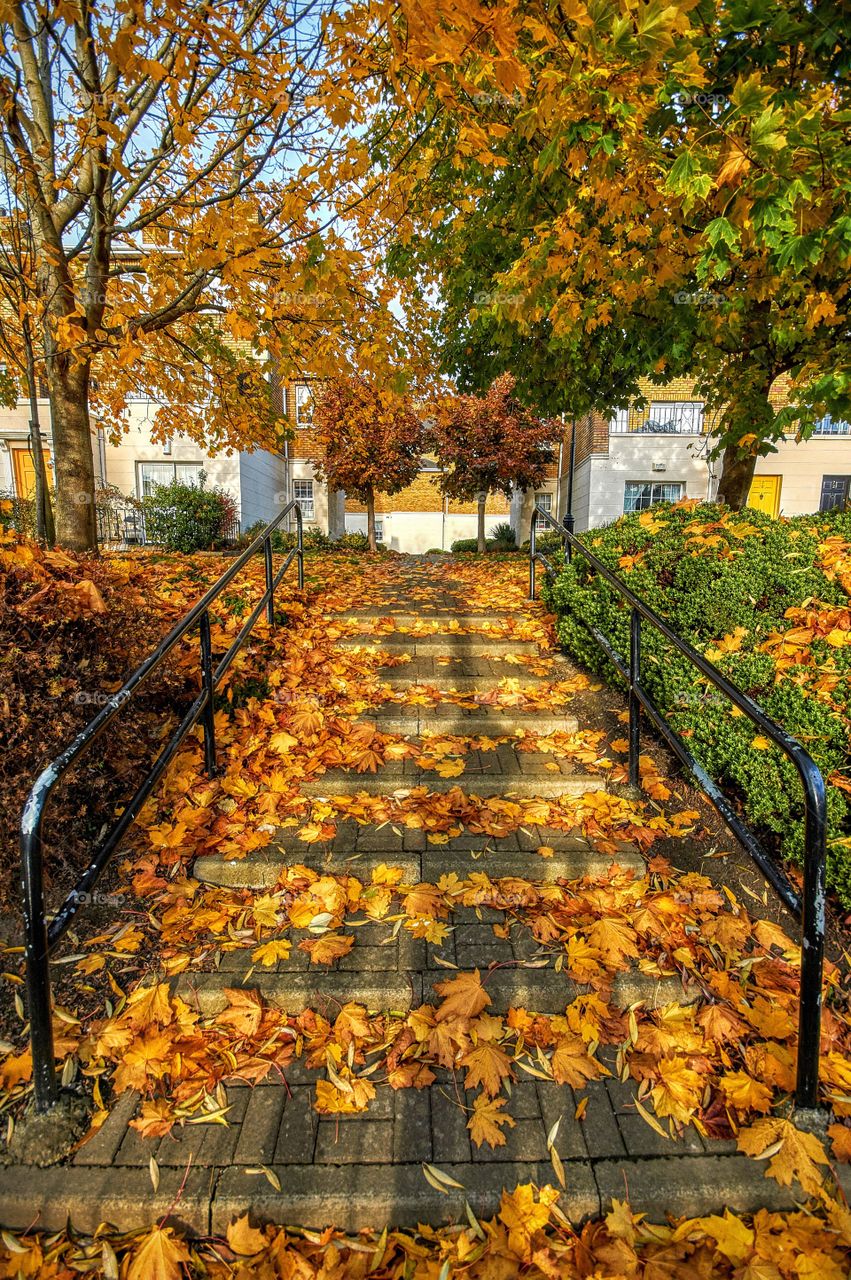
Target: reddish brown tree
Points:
(491, 444)
(369, 440)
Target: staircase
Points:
(288, 1164)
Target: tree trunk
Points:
(736, 476)
(370, 519)
(76, 526)
(44, 526)
(482, 547)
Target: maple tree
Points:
(491, 444)
(663, 189)
(369, 439)
(181, 181)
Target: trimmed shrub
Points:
(461, 545)
(503, 537)
(768, 602)
(186, 517)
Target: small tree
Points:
(368, 438)
(491, 444)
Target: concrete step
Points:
(370, 1193)
(262, 869)
(554, 785)
(482, 670)
(537, 990)
(454, 620)
(437, 646)
(445, 682)
(443, 719)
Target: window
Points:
(638, 495)
(835, 492)
(153, 474)
(544, 500)
(619, 422)
(828, 426)
(674, 417)
(303, 406)
(379, 529)
(303, 494)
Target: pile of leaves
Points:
(768, 602)
(529, 1236)
(72, 628)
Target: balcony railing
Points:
(675, 418)
(828, 426)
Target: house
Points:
(661, 453)
(134, 466)
(417, 519)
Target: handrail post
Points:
(569, 522)
(532, 552)
(299, 524)
(45, 1085)
(812, 940)
(634, 703)
(208, 684)
(270, 582)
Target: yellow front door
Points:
(24, 470)
(765, 494)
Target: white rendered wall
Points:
(418, 531)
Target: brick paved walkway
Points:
(288, 1164)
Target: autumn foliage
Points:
(768, 602)
(369, 440)
(491, 444)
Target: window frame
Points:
(652, 484)
(160, 463)
(544, 499)
(305, 387)
(304, 502)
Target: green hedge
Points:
(709, 572)
(187, 517)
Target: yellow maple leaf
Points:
(463, 997)
(487, 1120)
(158, 1256)
(328, 948)
(270, 953)
(487, 1065)
(791, 1153)
(523, 1215)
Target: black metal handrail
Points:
(39, 938)
(808, 907)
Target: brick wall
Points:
(424, 495)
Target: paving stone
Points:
(412, 1126)
(527, 1141)
(451, 1138)
(259, 1132)
(358, 1196)
(344, 1141)
(297, 1131)
(692, 1186)
(638, 1137)
(599, 1124)
(558, 1103)
(103, 1146)
(322, 988)
(220, 1140)
(47, 1199)
(135, 1150)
